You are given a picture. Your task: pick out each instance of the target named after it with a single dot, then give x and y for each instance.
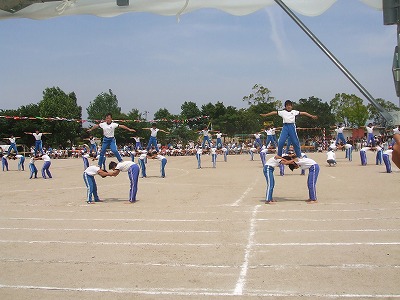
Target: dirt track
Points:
(201, 233)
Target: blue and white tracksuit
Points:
(313, 171)
(289, 131)
(386, 159)
(268, 170)
(133, 174)
(90, 182)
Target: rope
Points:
(64, 5)
(178, 15)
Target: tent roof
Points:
(44, 9)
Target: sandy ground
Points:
(201, 233)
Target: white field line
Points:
(250, 241)
(196, 220)
(196, 292)
(190, 231)
(249, 189)
(109, 230)
(199, 244)
(202, 266)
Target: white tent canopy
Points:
(109, 8)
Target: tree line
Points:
(343, 108)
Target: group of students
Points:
(13, 153)
(108, 127)
(288, 134)
(297, 160)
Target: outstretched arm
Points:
(28, 132)
(127, 128)
(94, 127)
(271, 113)
(164, 131)
(304, 113)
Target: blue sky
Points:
(152, 61)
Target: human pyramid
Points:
(299, 160)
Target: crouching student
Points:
(88, 178)
(133, 174)
(331, 157)
(313, 171)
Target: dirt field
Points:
(201, 233)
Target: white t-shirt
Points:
(92, 170)
(160, 157)
(213, 150)
(257, 135)
(219, 135)
(370, 129)
(388, 152)
(273, 162)
(38, 136)
(271, 131)
(12, 140)
(108, 129)
(204, 132)
(305, 163)
(339, 129)
(154, 132)
(288, 116)
(45, 157)
(124, 166)
(330, 155)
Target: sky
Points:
(151, 61)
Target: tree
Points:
(260, 94)
(190, 110)
(349, 110)
(56, 103)
(315, 106)
(357, 114)
(103, 104)
(376, 116)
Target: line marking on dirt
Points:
(236, 203)
(250, 241)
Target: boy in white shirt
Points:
(88, 178)
(289, 127)
(109, 127)
(133, 173)
(331, 157)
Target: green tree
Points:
(345, 106)
(190, 110)
(260, 94)
(103, 104)
(357, 114)
(315, 106)
(56, 103)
